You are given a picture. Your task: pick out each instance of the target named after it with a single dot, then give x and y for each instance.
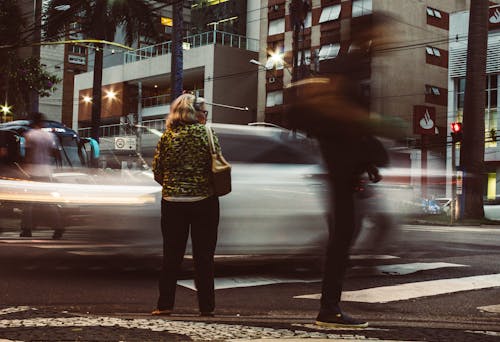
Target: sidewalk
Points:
(31, 324)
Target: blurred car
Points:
(277, 205)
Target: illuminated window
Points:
(276, 26)
(330, 13)
(361, 7)
(329, 51)
(274, 98)
(166, 21)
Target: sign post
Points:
(424, 123)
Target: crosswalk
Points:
(462, 279)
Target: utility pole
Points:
(472, 149)
(176, 71)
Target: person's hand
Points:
(373, 173)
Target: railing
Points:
(118, 129)
(163, 100)
(155, 101)
(194, 41)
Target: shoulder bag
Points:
(221, 169)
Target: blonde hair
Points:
(182, 112)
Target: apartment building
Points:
(216, 66)
(407, 78)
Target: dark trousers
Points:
(341, 232)
(176, 220)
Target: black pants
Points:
(341, 233)
(176, 219)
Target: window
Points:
(265, 148)
(431, 12)
(329, 51)
(307, 57)
(432, 90)
(77, 49)
(276, 26)
(330, 13)
(433, 51)
(361, 7)
(274, 98)
(308, 20)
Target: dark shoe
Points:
(207, 314)
(58, 234)
(339, 320)
(158, 312)
(25, 233)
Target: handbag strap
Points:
(210, 135)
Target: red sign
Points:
(424, 120)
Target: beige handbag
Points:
(221, 169)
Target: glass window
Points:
(433, 51)
(330, 13)
(307, 57)
(329, 51)
(308, 20)
(261, 148)
(361, 7)
(276, 26)
(431, 12)
(274, 98)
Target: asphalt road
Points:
(428, 283)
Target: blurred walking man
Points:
(41, 148)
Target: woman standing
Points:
(182, 166)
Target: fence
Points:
(194, 41)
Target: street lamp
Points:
(6, 110)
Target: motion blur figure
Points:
(182, 165)
(335, 110)
(41, 151)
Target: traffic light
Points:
(456, 131)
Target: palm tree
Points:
(177, 53)
(100, 19)
(472, 151)
(11, 25)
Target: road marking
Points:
(450, 229)
(385, 294)
(234, 282)
(490, 308)
(404, 269)
(372, 256)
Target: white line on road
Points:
(234, 282)
(404, 269)
(490, 308)
(450, 229)
(385, 294)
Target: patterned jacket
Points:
(182, 162)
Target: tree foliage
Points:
(100, 19)
(19, 76)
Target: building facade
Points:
(459, 23)
(406, 78)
